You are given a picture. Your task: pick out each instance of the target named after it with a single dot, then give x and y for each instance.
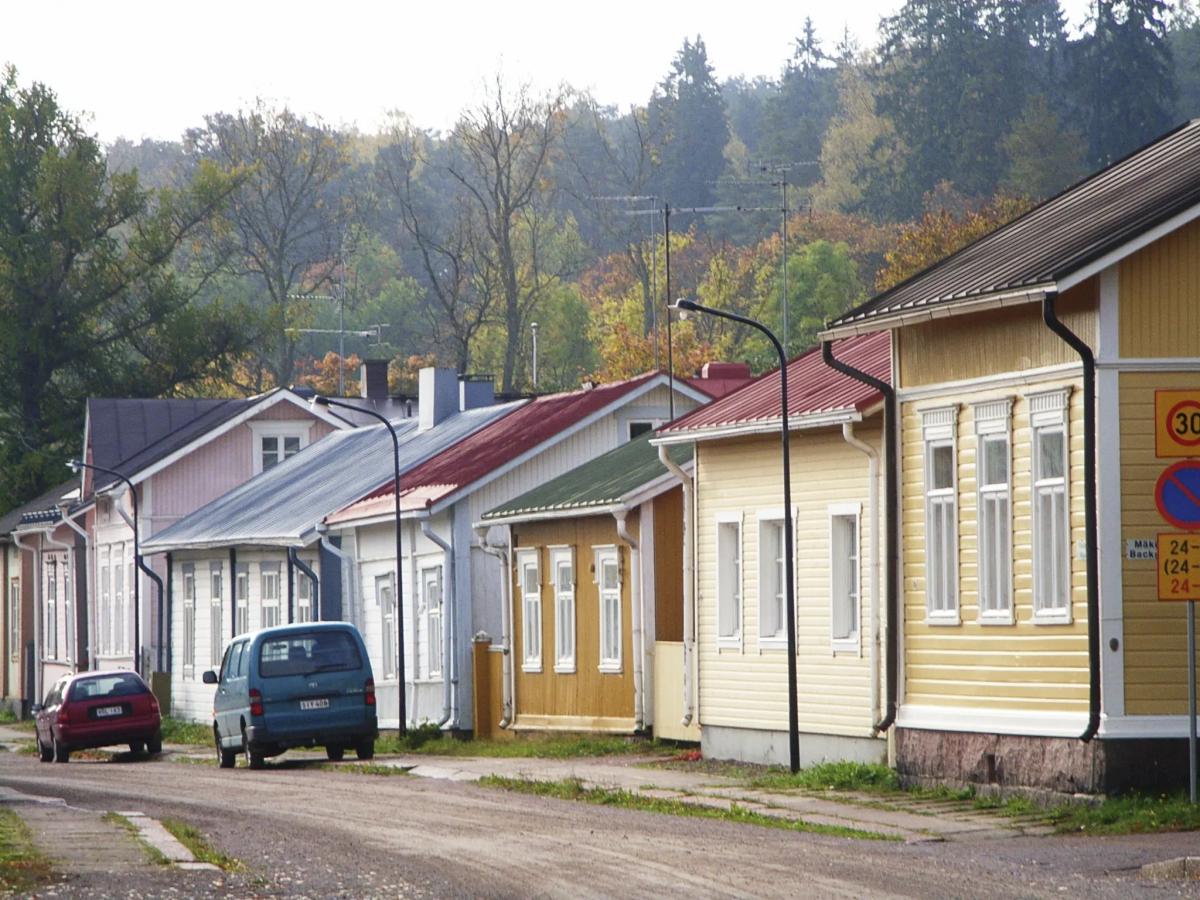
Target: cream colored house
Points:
(738, 643)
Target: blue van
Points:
(304, 685)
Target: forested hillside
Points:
(216, 264)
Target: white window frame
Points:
(385, 596)
(304, 593)
(1048, 413)
(188, 625)
(67, 610)
(266, 601)
(565, 627)
(939, 427)
(50, 608)
(531, 638)
(729, 634)
(120, 645)
(774, 518)
(241, 598)
(434, 620)
(851, 642)
(104, 627)
(14, 618)
(280, 429)
(993, 515)
(611, 604)
(216, 614)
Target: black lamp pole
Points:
(329, 401)
(75, 465)
(789, 538)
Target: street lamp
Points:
(685, 306)
(318, 400)
(75, 465)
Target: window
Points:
(729, 580)
(562, 566)
(993, 467)
(1051, 516)
(431, 605)
(276, 441)
(233, 660)
(270, 594)
(50, 623)
(120, 613)
(308, 652)
(637, 429)
(216, 619)
(68, 615)
(241, 586)
(608, 576)
(303, 597)
(385, 593)
(531, 610)
(941, 516)
(844, 568)
(189, 619)
(106, 624)
(772, 577)
(14, 617)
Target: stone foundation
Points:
(1064, 766)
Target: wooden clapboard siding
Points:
(1019, 666)
(747, 687)
(587, 692)
(997, 341)
(1159, 312)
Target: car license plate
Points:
(319, 703)
(103, 711)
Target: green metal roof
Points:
(605, 481)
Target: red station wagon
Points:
(96, 709)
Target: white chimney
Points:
(437, 396)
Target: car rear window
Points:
(306, 652)
(105, 686)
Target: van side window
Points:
(229, 670)
(242, 668)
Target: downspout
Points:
(87, 577)
(873, 514)
(349, 568)
(449, 712)
(291, 584)
(689, 595)
(501, 553)
(171, 610)
(1091, 529)
(37, 617)
(295, 560)
(891, 445)
(636, 615)
(233, 598)
(414, 604)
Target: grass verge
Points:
(201, 849)
(177, 731)
(430, 740)
(156, 855)
(574, 789)
(22, 866)
(363, 768)
(1133, 814)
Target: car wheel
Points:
(154, 746)
(335, 752)
(61, 753)
(45, 754)
(253, 760)
(225, 758)
(137, 747)
(365, 750)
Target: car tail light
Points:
(153, 704)
(256, 707)
(369, 692)
(64, 715)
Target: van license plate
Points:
(320, 703)
(108, 711)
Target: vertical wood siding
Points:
(668, 566)
(1159, 313)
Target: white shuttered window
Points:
(941, 516)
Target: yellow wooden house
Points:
(1044, 378)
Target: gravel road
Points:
(306, 832)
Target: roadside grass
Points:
(833, 776)
(191, 838)
(574, 789)
(26, 748)
(23, 867)
(195, 760)
(363, 768)
(7, 716)
(177, 731)
(156, 856)
(430, 740)
(1132, 814)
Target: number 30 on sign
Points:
(1176, 423)
(1178, 567)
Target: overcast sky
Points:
(152, 68)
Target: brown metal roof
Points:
(1057, 238)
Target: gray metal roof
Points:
(37, 508)
(1056, 238)
(282, 506)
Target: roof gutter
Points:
(823, 419)
(1091, 528)
(891, 443)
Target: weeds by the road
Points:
(363, 768)
(574, 789)
(200, 847)
(7, 716)
(155, 855)
(22, 865)
(834, 776)
(429, 740)
(177, 731)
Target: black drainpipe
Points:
(1091, 531)
(891, 438)
(315, 609)
(233, 593)
(291, 569)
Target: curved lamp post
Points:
(75, 465)
(329, 401)
(685, 306)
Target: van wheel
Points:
(45, 754)
(253, 760)
(225, 758)
(335, 752)
(61, 753)
(365, 750)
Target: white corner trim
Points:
(1108, 501)
(1108, 345)
(1034, 723)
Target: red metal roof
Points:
(813, 388)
